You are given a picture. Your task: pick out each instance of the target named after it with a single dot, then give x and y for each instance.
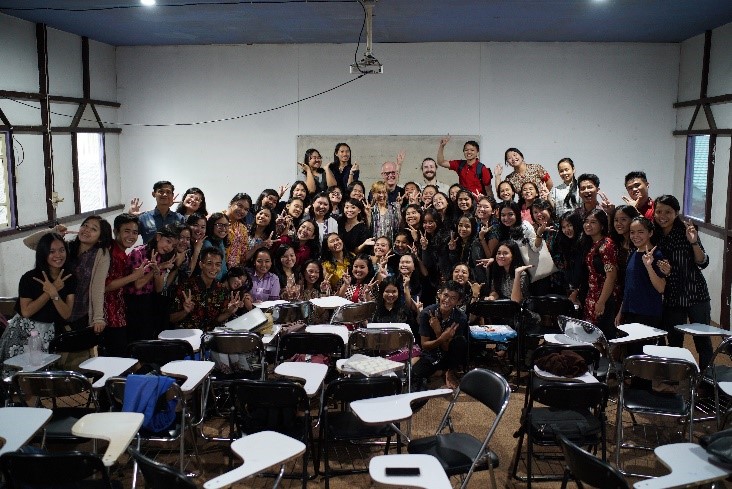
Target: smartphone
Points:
(402, 471)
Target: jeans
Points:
(455, 356)
(696, 313)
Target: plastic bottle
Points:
(35, 348)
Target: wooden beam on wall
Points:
(724, 318)
(719, 99)
(42, 52)
(12, 94)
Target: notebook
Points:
(253, 321)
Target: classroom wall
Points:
(20, 72)
(720, 83)
(608, 106)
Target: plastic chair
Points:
(237, 356)
(499, 311)
(585, 332)
(584, 467)
(576, 410)
(71, 396)
(357, 314)
(719, 375)
(280, 406)
(382, 342)
(291, 312)
(73, 341)
(47, 470)
(173, 435)
(160, 352)
(339, 423)
(160, 476)
(462, 453)
(647, 399)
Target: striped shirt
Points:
(685, 286)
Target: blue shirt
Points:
(152, 221)
(640, 296)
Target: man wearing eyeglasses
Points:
(390, 176)
(152, 221)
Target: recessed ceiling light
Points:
(147, 3)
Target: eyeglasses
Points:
(336, 194)
(222, 225)
(389, 173)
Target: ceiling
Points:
(170, 22)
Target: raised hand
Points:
(434, 322)
(423, 241)
(692, 235)
(305, 168)
(648, 257)
(543, 191)
(452, 243)
(444, 140)
(521, 269)
(484, 262)
(498, 170)
(399, 199)
(400, 159)
(414, 232)
(475, 288)
(346, 278)
(176, 199)
(188, 304)
(59, 282)
(282, 189)
(665, 267)
(140, 271)
(369, 242)
(419, 306)
(629, 201)
(606, 204)
(354, 168)
(235, 301)
(135, 207)
(48, 286)
(267, 243)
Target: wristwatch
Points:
(55, 298)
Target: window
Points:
(92, 174)
(697, 166)
(5, 195)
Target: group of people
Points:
(422, 250)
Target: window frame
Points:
(690, 174)
(9, 171)
(76, 172)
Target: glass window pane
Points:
(4, 196)
(90, 152)
(697, 164)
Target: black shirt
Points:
(30, 289)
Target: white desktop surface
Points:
(19, 424)
(108, 366)
(586, 378)
(117, 428)
(690, 466)
(192, 336)
(699, 329)
(330, 302)
(431, 474)
(390, 409)
(194, 372)
(670, 352)
(258, 451)
(403, 326)
(341, 331)
(312, 373)
(637, 332)
(561, 339)
(22, 361)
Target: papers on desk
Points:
(586, 378)
(270, 304)
(330, 302)
(372, 366)
(252, 321)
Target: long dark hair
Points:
(277, 264)
(515, 232)
(210, 225)
(498, 272)
(380, 307)
(181, 209)
(43, 250)
(570, 200)
(167, 231)
(569, 246)
(104, 242)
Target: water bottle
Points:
(35, 348)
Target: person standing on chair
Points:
(443, 329)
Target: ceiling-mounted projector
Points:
(369, 64)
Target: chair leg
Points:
(517, 457)
(529, 455)
(493, 476)
(279, 476)
(565, 480)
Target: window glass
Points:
(697, 165)
(92, 178)
(4, 189)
